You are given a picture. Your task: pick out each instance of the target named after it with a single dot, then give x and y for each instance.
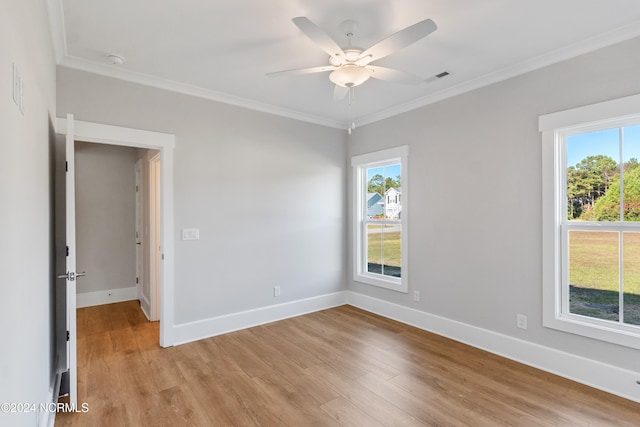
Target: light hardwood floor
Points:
(338, 367)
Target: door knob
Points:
(71, 276)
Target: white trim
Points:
(187, 89)
(57, 29)
(193, 331)
(48, 418)
(585, 46)
(145, 306)
(155, 233)
(609, 378)
(115, 135)
(109, 296)
(602, 112)
(359, 165)
(376, 156)
(608, 114)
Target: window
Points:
(591, 221)
(380, 232)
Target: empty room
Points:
(335, 213)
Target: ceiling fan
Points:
(351, 66)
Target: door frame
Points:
(139, 228)
(165, 143)
(155, 216)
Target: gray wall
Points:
(26, 209)
(475, 188)
(105, 216)
(266, 192)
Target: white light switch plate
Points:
(190, 234)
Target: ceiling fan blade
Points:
(319, 36)
(391, 75)
(339, 92)
(301, 71)
(399, 40)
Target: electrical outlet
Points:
(416, 295)
(521, 321)
(276, 291)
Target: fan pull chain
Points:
(352, 106)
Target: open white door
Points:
(70, 276)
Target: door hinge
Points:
(66, 166)
(137, 280)
(67, 250)
(136, 188)
(67, 335)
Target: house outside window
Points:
(380, 235)
(591, 221)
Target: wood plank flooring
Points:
(338, 367)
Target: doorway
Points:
(106, 225)
(164, 144)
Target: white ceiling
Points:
(222, 49)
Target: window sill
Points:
(594, 329)
(398, 285)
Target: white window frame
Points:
(555, 128)
(360, 164)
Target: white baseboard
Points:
(48, 418)
(618, 381)
(89, 299)
(145, 305)
(612, 379)
(194, 331)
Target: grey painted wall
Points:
(26, 209)
(266, 192)
(475, 223)
(105, 216)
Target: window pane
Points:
(384, 192)
(594, 274)
(631, 173)
(631, 263)
(375, 193)
(384, 249)
(592, 168)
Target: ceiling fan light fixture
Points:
(350, 76)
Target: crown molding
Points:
(585, 46)
(187, 89)
(56, 21)
(57, 28)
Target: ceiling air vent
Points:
(437, 76)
